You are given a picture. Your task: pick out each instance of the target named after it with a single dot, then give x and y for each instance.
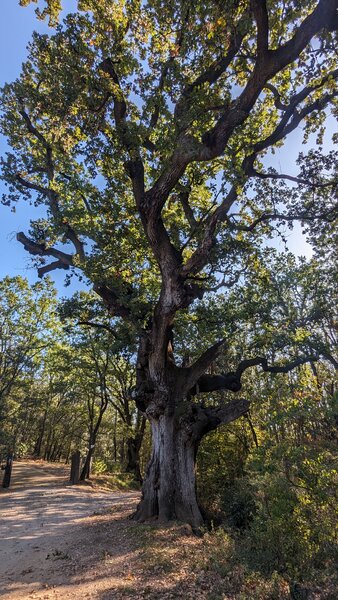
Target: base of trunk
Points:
(169, 489)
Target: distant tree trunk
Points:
(133, 444)
(115, 438)
(49, 443)
(133, 458)
(8, 471)
(94, 429)
(75, 468)
(53, 452)
(38, 443)
(86, 469)
(122, 452)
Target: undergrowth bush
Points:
(278, 503)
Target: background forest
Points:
(268, 481)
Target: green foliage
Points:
(123, 85)
(69, 100)
(279, 503)
(52, 9)
(27, 326)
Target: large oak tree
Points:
(141, 128)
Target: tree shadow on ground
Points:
(46, 532)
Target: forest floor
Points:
(62, 542)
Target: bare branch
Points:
(98, 326)
(285, 368)
(65, 260)
(57, 264)
(265, 217)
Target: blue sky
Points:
(16, 27)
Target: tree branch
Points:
(323, 16)
(31, 186)
(98, 326)
(262, 21)
(208, 419)
(198, 259)
(134, 166)
(329, 216)
(34, 131)
(194, 372)
(262, 362)
(216, 69)
(57, 264)
(232, 380)
(112, 301)
(285, 127)
(50, 193)
(183, 197)
(64, 261)
(165, 69)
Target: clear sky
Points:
(16, 27)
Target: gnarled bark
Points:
(169, 487)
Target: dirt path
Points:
(47, 534)
(62, 542)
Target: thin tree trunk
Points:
(38, 443)
(133, 458)
(134, 444)
(115, 438)
(86, 469)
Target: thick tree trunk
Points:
(169, 490)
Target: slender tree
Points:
(112, 363)
(142, 128)
(26, 316)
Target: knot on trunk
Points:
(143, 395)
